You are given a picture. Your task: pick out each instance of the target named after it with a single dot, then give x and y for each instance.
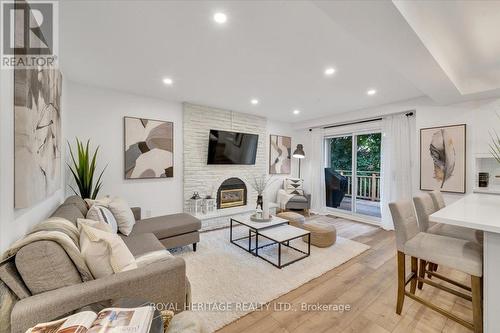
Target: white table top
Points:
(283, 233)
(245, 219)
(476, 211)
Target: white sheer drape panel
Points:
(397, 152)
(316, 170)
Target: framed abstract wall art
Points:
(443, 158)
(280, 148)
(149, 148)
(37, 134)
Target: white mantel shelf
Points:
(220, 217)
(225, 212)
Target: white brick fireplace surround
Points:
(206, 179)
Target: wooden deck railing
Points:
(368, 184)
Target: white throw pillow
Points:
(94, 224)
(123, 215)
(105, 253)
(104, 215)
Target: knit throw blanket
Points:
(283, 198)
(54, 229)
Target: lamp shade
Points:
(299, 152)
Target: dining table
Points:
(481, 211)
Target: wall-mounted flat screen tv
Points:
(232, 147)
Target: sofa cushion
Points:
(45, 266)
(142, 243)
(167, 225)
(10, 276)
(78, 202)
(69, 212)
(298, 198)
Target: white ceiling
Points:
(275, 51)
(464, 39)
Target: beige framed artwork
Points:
(149, 148)
(443, 158)
(280, 148)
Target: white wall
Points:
(15, 222)
(480, 117)
(97, 114)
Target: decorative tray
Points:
(254, 218)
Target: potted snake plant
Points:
(83, 168)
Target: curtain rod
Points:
(354, 123)
(408, 114)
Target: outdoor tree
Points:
(368, 153)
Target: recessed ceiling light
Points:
(254, 101)
(168, 81)
(296, 111)
(371, 92)
(220, 18)
(329, 71)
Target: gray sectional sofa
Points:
(50, 286)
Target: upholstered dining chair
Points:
(458, 254)
(437, 198)
(425, 206)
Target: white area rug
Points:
(222, 273)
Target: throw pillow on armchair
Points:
(294, 186)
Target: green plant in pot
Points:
(83, 168)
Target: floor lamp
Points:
(299, 153)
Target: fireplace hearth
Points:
(232, 193)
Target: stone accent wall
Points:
(206, 179)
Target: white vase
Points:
(265, 208)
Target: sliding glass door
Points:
(352, 173)
(338, 172)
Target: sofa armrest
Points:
(137, 213)
(163, 282)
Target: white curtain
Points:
(316, 170)
(397, 152)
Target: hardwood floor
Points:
(368, 284)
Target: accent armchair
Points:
(293, 197)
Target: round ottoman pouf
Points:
(322, 234)
(295, 219)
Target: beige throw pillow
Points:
(104, 201)
(105, 253)
(123, 215)
(94, 224)
(104, 215)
